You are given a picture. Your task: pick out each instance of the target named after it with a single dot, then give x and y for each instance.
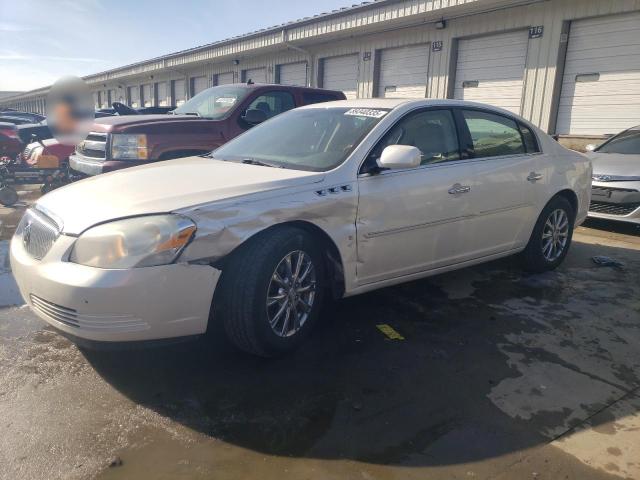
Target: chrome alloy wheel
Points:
(555, 235)
(291, 293)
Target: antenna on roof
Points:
(249, 82)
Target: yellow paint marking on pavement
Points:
(390, 332)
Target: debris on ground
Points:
(390, 332)
(603, 261)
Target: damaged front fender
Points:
(222, 227)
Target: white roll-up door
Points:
(147, 95)
(256, 75)
(341, 73)
(163, 94)
(198, 84)
(225, 78)
(111, 97)
(403, 71)
(179, 92)
(601, 82)
(490, 69)
(293, 74)
(134, 97)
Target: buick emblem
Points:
(26, 234)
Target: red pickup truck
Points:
(200, 125)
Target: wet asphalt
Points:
(499, 374)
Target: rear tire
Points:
(551, 237)
(271, 292)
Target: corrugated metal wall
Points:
(390, 24)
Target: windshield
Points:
(627, 142)
(316, 139)
(214, 103)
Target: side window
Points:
(432, 131)
(493, 135)
(315, 97)
(530, 141)
(273, 103)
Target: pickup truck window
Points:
(273, 103)
(316, 139)
(315, 97)
(214, 103)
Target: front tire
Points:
(272, 291)
(551, 237)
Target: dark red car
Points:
(200, 125)
(10, 143)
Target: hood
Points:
(615, 164)
(107, 124)
(163, 187)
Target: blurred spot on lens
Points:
(70, 110)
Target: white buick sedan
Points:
(329, 200)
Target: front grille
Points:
(613, 209)
(96, 323)
(38, 233)
(94, 146)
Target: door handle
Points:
(534, 177)
(458, 189)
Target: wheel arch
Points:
(333, 259)
(571, 197)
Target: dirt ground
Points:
(500, 374)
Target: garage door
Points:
(601, 83)
(147, 95)
(293, 74)
(163, 94)
(134, 97)
(256, 75)
(403, 71)
(341, 73)
(491, 69)
(198, 84)
(224, 78)
(179, 93)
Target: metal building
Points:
(570, 66)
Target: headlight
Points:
(129, 147)
(134, 242)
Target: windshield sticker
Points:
(366, 112)
(226, 100)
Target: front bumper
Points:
(139, 304)
(619, 201)
(95, 166)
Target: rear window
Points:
(318, 97)
(493, 135)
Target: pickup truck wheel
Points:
(551, 237)
(273, 291)
(8, 196)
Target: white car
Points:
(333, 199)
(615, 193)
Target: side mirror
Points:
(591, 147)
(254, 116)
(400, 156)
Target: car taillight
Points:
(9, 132)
